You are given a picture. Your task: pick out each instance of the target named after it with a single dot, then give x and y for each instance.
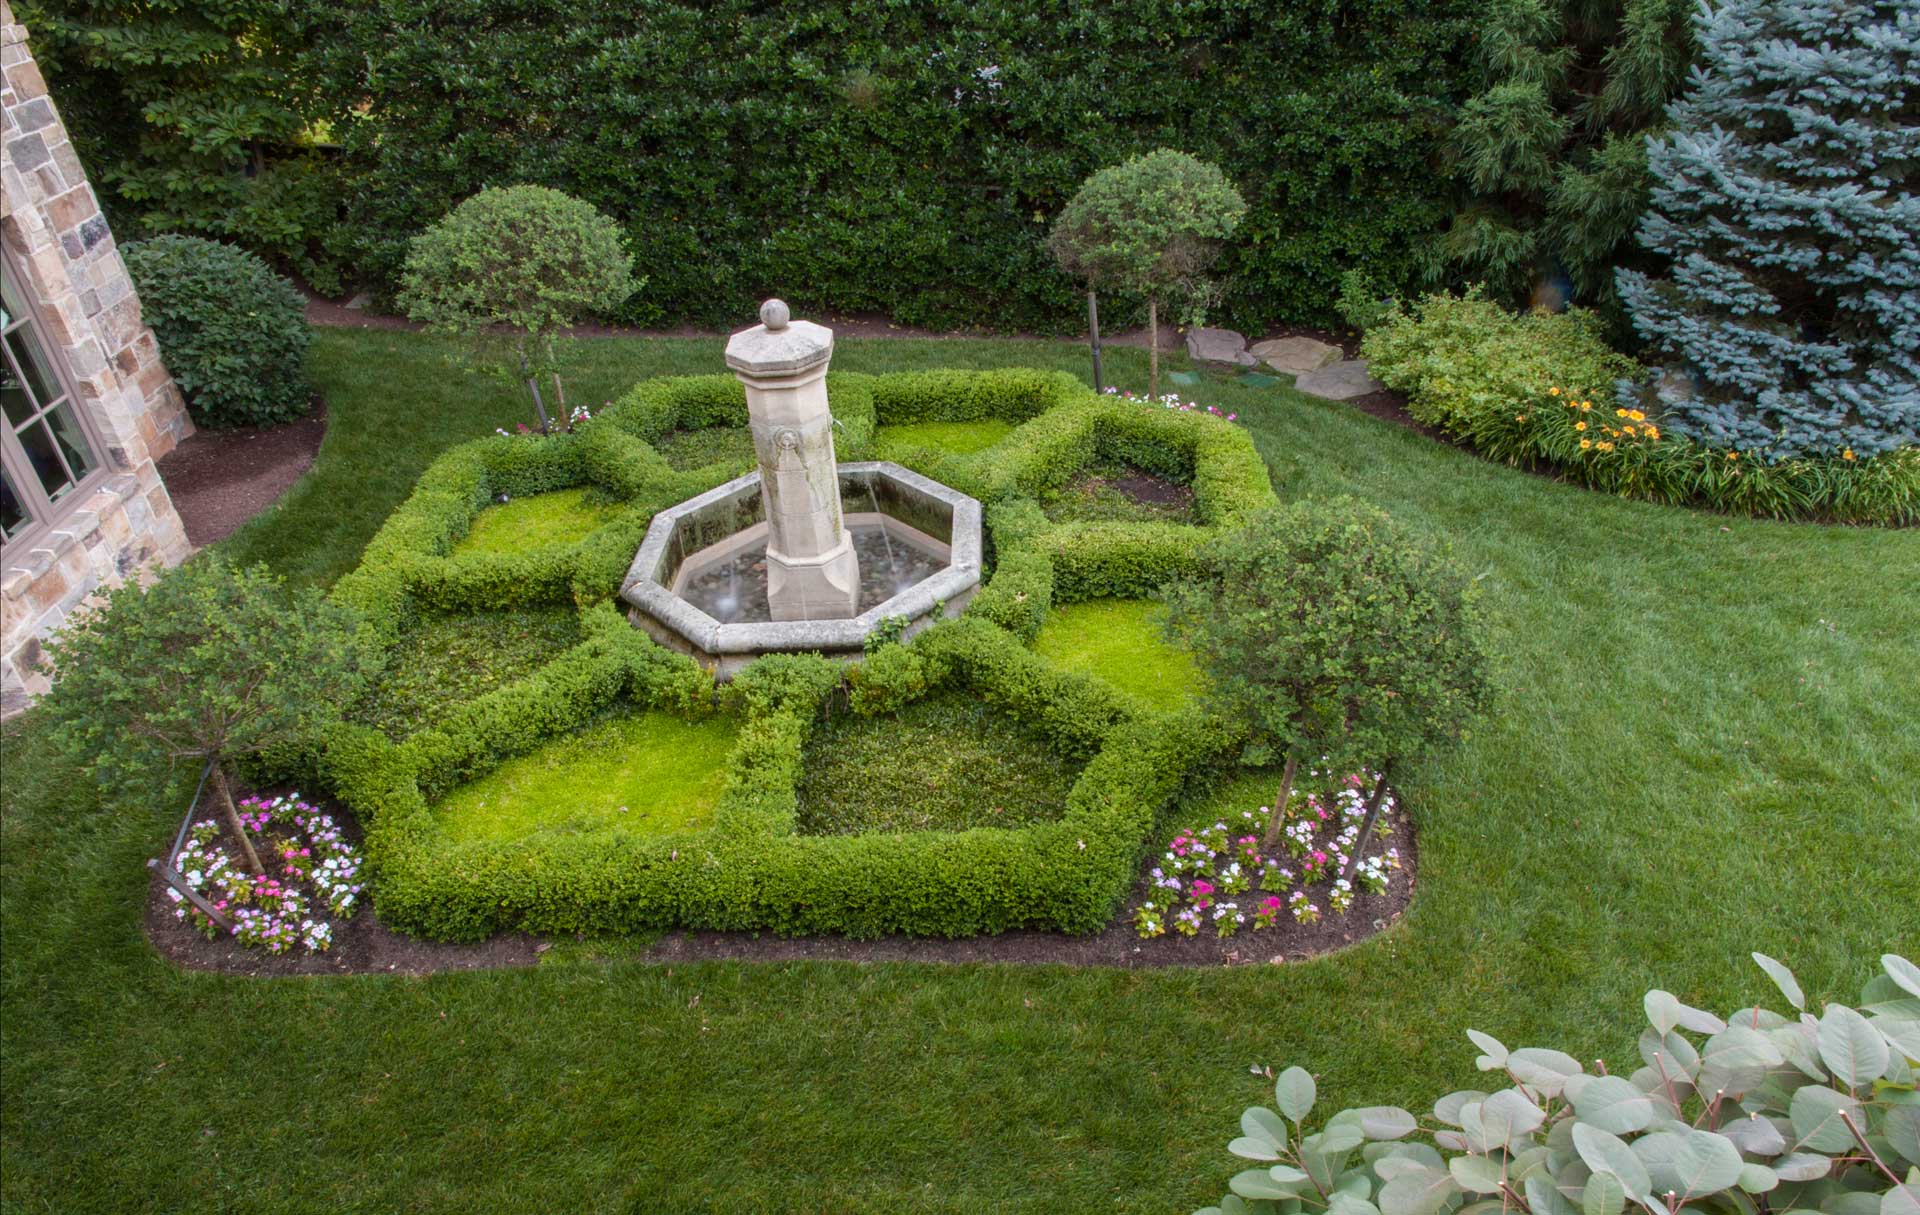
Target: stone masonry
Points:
(120, 522)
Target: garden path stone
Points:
(1296, 355)
(1219, 346)
(1339, 381)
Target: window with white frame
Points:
(46, 454)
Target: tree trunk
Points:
(560, 399)
(1279, 816)
(1153, 373)
(1366, 828)
(1093, 328)
(225, 795)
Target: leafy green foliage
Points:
(689, 449)
(1538, 389)
(1756, 1111)
(640, 774)
(442, 661)
(508, 269)
(1149, 227)
(945, 762)
(1547, 149)
(1121, 641)
(1328, 630)
(955, 130)
(212, 662)
(233, 333)
(198, 118)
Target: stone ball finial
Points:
(774, 314)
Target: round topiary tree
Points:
(509, 269)
(210, 663)
(231, 331)
(1149, 227)
(1786, 198)
(1326, 629)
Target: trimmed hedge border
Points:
(750, 870)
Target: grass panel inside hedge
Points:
(564, 516)
(690, 449)
(960, 438)
(444, 661)
(1115, 492)
(945, 763)
(639, 773)
(1120, 641)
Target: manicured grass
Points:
(563, 516)
(685, 449)
(944, 763)
(443, 661)
(1120, 641)
(961, 438)
(1707, 746)
(637, 773)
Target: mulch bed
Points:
(219, 479)
(362, 945)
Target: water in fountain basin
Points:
(735, 590)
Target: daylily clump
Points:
(1198, 879)
(312, 870)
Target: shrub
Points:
(1791, 307)
(887, 679)
(1768, 1113)
(1149, 227)
(209, 664)
(1465, 361)
(1329, 631)
(232, 332)
(508, 269)
(1363, 304)
(1512, 386)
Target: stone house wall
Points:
(119, 521)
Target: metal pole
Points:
(1366, 828)
(1093, 327)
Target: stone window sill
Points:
(21, 569)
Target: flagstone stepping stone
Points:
(1296, 355)
(1186, 379)
(1339, 381)
(1255, 379)
(1219, 346)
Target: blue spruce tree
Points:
(1785, 199)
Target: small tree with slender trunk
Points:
(1149, 227)
(1327, 630)
(511, 269)
(210, 663)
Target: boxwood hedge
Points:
(750, 870)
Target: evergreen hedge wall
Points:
(904, 158)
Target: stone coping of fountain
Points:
(644, 587)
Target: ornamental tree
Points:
(1149, 227)
(1785, 197)
(210, 663)
(1328, 630)
(509, 270)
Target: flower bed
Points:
(1220, 878)
(311, 872)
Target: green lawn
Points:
(1120, 641)
(1708, 745)
(638, 773)
(961, 438)
(563, 516)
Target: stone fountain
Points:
(772, 561)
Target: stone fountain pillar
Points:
(812, 572)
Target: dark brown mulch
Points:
(219, 479)
(363, 945)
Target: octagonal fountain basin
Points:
(699, 583)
